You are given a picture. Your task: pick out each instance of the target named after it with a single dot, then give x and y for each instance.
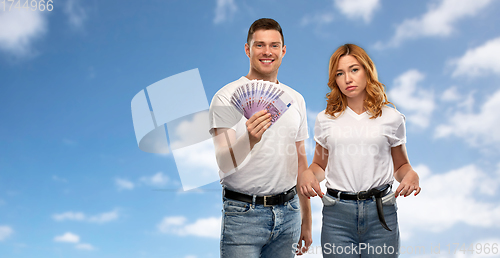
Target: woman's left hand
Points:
(409, 184)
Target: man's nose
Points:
(267, 51)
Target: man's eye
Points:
(258, 45)
(275, 46)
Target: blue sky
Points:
(73, 182)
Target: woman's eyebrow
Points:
(351, 66)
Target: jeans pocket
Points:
(389, 199)
(328, 200)
(294, 204)
(236, 207)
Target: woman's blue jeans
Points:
(353, 229)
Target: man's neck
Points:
(271, 78)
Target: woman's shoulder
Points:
(323, 116)
(392, 114)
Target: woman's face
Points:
(351, 77)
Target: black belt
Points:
(377, 192)
(268, 200)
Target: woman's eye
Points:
(339, 74)
(355, 70)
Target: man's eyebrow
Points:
(262, 42)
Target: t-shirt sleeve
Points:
(320, 133)
(303, 131)
(399, 135)
(222, 114)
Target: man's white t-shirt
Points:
(359, 148)
(272, 165)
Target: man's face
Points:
(265, 52)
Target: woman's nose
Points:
(347, 78)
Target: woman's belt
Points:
(377, 192)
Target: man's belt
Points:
(268, 200)
(377, 192)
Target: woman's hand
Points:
(404, 173)
(409, 184)
(308, 184)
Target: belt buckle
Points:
(265, 200)
(361, 192)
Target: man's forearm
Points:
(232, 155)
(305, 208)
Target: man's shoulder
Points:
(231, 87)
(292, 92)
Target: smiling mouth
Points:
(266, 61)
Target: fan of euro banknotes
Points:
(257, 95)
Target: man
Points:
(259, 164)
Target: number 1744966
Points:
(33, 5)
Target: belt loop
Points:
(253, 200)
(223, 192)
(338, 195)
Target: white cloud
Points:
(124, 184)
(439, 21)
(462, 102)
(104, 217)
(69, 142)
(191, 256)
(476, 128)
(205, 227)
(59, 179)
(19, 28)
(225, 10)
(479, 61)
(68, 237)
(450, 95)
(363, 9)
(310, 143)
(80, 216)
(84, 246)
(157, 179)
(75, 12)
(193, 150)
(454, 197)
(5, 232)
(416, 102)
(318, 19)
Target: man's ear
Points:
(284, 50)
(247, 50)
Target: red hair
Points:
(375, 97)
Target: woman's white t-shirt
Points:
(359, 147)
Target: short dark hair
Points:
(264, 24)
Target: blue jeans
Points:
(352, 228)
(250, 230)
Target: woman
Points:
(360, 149)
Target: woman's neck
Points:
(357, 105)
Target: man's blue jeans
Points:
(253, 231)
(352, 228)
